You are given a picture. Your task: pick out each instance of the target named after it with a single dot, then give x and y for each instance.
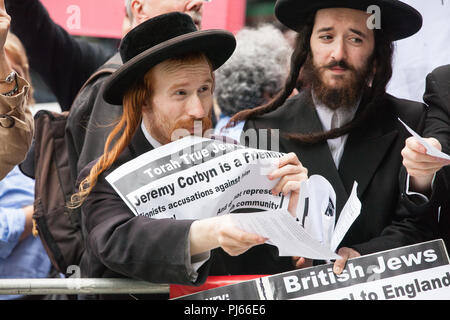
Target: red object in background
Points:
(103, 18)
(224, 14)
(177, 290)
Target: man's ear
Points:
(146, 106)
(137, 9)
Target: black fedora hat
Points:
(397, 18)
(161, 38)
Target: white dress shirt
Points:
(155, 143)
(332, 119)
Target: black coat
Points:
(91, 119)
(437, 97)
(371, 157)
(443, 178)
(120, 244)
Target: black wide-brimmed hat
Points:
(398, 19)
(158, 39)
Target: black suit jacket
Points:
(444, 221)
(437, 97)
(372, 158)
(120, 244)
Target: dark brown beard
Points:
(346, 96)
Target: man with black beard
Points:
(343, 125)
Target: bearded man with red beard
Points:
(343, 125)
(166, 87)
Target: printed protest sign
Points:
(385, 275)
(198, 178)
(420, 271)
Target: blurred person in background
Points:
(65, 62)
(427, 174)
(422, 167)
(16, 122)
(252, 76)
(21, 255)
(437, 97)
(62, 61)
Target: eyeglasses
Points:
(6, 121)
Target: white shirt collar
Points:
(344, 115)
(155, 143)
